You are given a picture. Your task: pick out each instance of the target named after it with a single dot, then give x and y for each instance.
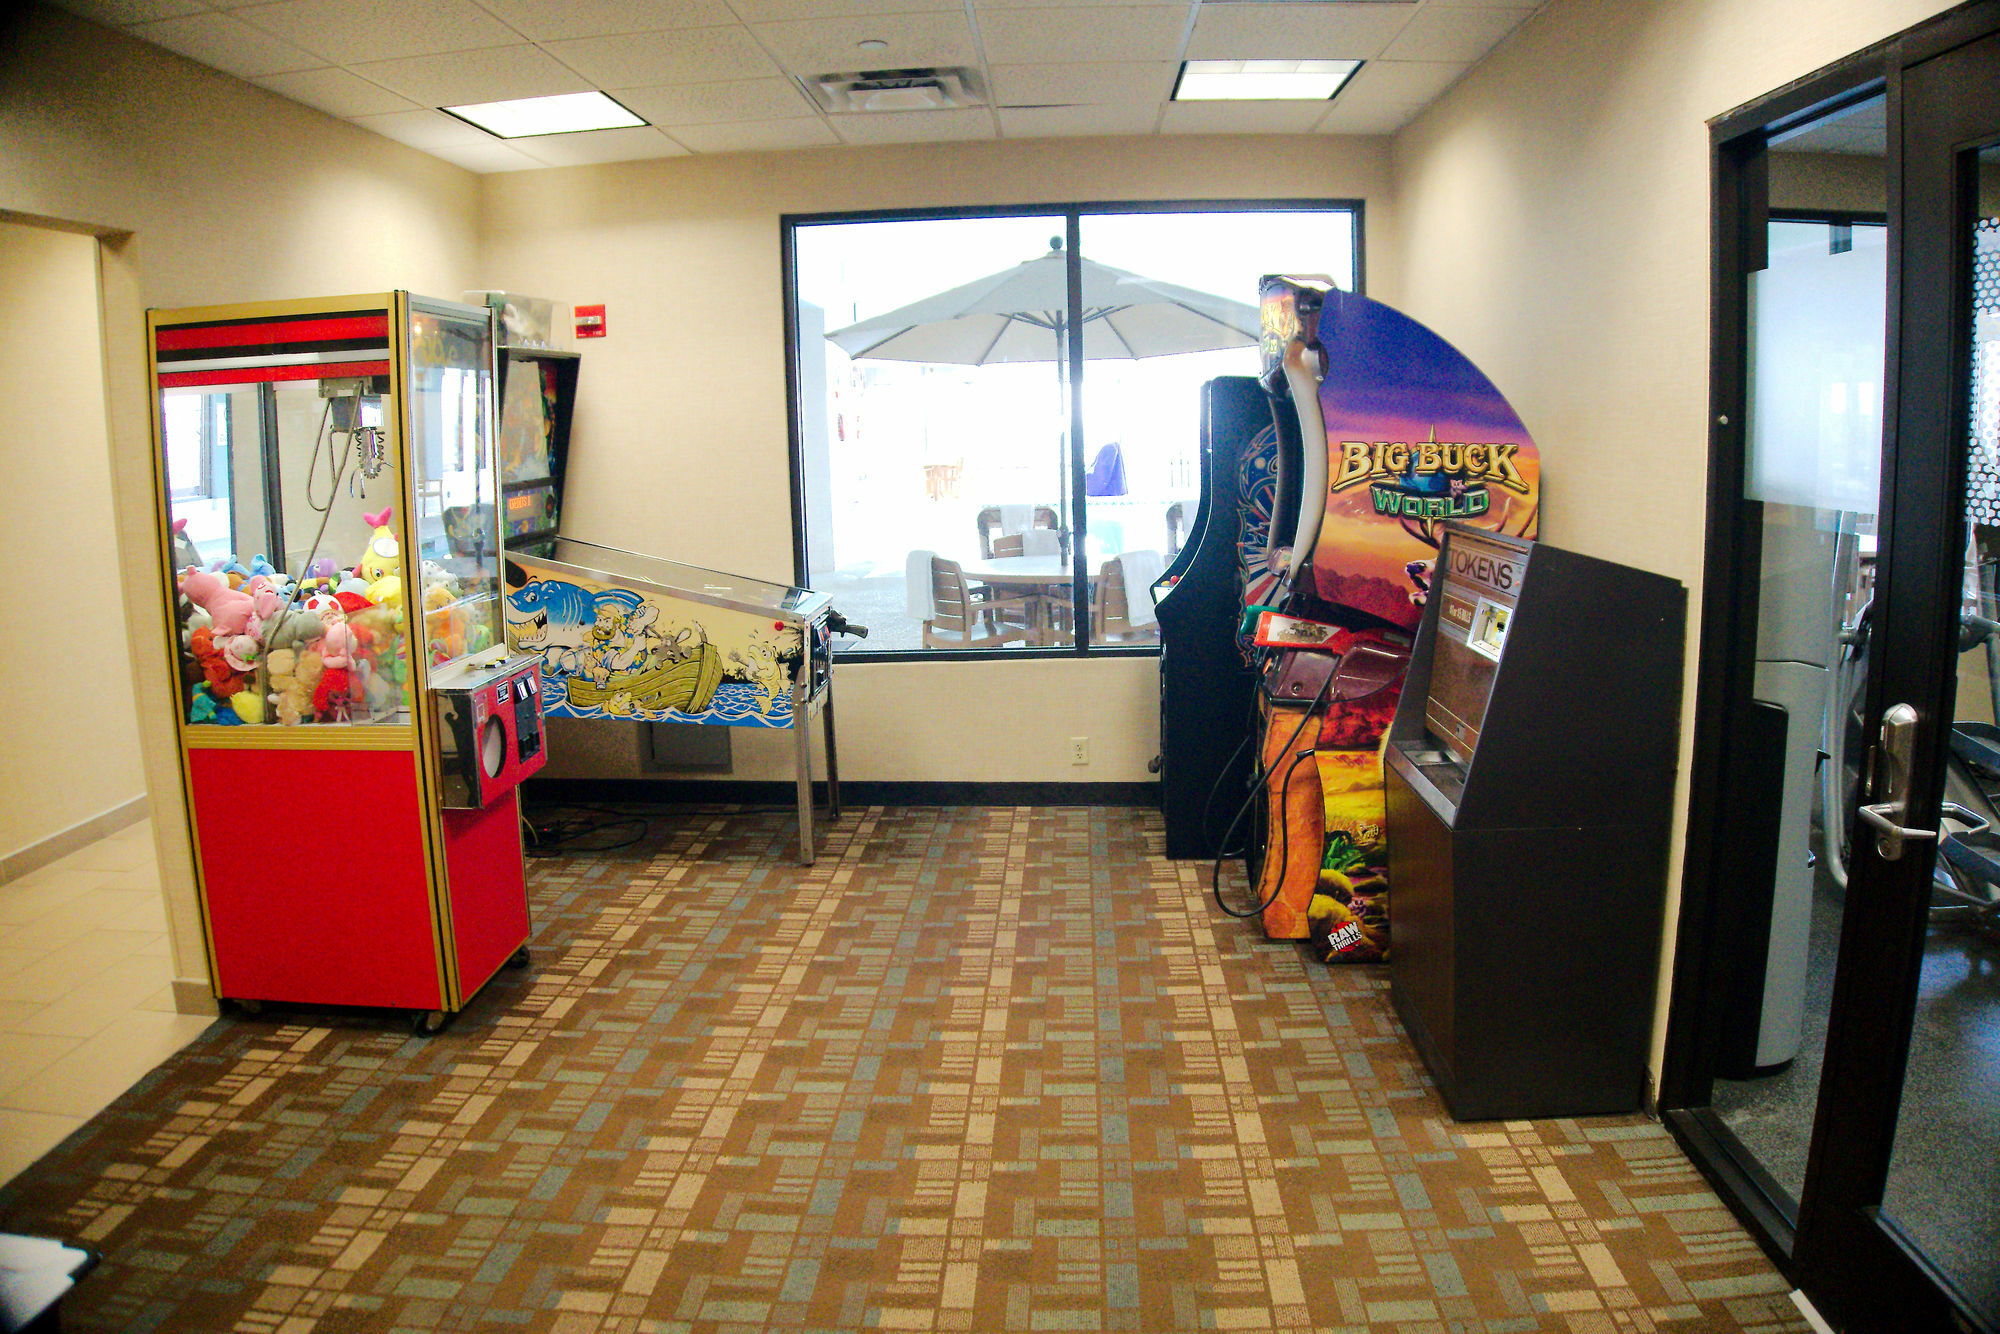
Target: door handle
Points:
(1892, 782)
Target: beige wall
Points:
(681, 444)
(205, 189)
(1553, 223)
(66, 706)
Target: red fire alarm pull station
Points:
(590, 321)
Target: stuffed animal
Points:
(381, 556)
(231, 611)
(222, 680)
(186, 553)
(296, 628)
(294, 675)
(334, 696)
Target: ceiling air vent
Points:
(930, 89)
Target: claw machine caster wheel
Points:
(249, 1008)
(428, 1023)
(518, 959)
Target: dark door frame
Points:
(1838, 1231)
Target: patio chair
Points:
(1111, 605)
(988, 521)
(1176, 520)
(958, 614)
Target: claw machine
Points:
(353, 727)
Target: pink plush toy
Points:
(231, 612)
(334, 693)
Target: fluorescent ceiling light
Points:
(570, 113)
(1262, 80)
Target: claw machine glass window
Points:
(457, 528)
(282, 474)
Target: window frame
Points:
(1072, 215)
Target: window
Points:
(968, 477)
(198, 462)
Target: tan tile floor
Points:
(86, 1001)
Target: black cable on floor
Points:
(544, 835)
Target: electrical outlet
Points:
(1079, 750)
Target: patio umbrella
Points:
(1020, 315)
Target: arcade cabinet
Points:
(537, 398)
(1398, 433)
(1530, 784)
(352, 726)
(1206, 681)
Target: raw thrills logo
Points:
(1429, 479)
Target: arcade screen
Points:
(1482, 580)
(527, 422)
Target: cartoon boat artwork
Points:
(636, 651)
(687, 686)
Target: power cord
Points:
(1257, 786)
(545, 835)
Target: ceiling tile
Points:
(428, 130)
(1404, 82)
(714, 103)
(580, 150)
(1090, 82)
(756, 136)
(454, 78)
(550, 20)
(914, 127)
(829, 46)
(985, 5)
(1366, 117)
(1066, 36)
(118, 13)
(1295, 32)
(1240, 117)
(645, 60)
(336, 92)
(227, 44)
(487, 158)
(1453, 34)
(775, 11)
(1069, 122)
(345, 31)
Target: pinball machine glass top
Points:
(281, 466)
(456, 528)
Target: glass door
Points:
(1833, 1061)
(1900, 1223)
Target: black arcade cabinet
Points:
(1530, 776)
(537, 397)
(1206, 683)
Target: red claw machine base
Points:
(357, 927)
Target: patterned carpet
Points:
(979, 1070)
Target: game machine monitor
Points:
(537, 399)
(1530, 772)
(355, 667)
(1403, 435)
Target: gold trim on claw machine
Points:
(443, 951)
(307, 736)
(163, 525)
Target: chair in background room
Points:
(1121, 601)
(957, 613)
(1176, 520)
(1008, 520)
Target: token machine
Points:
(1530, 789)
(352, 725)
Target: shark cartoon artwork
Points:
(611, 651)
